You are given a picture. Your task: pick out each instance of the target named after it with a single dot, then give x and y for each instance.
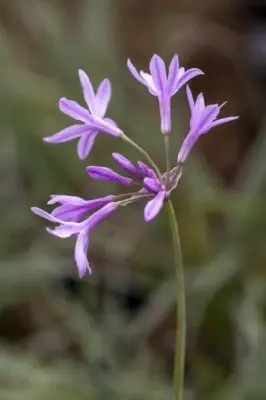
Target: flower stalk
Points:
(180, 347)
(143, 152)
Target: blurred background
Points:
(112, 335)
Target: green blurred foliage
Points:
(112, 334)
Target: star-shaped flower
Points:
(94, 120)
(164, 85)
(81, 230)
(203, 118)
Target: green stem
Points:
(180, 350)
(142, 151)
(181, 308)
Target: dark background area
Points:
(112, 335)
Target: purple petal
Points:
(65, 231)
(204, 123)
(158, 73)
(144, 169)
(65, 199)
(190, 99)
(107, 174)
(88, 91)
(81, 249)
(152, 185)
(86, 143)
(187, 146)
(105, 125)
(74, 110)
(126, 165)
(45, 215)
(68, 212)
(165, 114)
(72, 132)
(73, 208)
(148, 82)
(197, 111)
(99, 216)
(152, 174)
(200, 103)
(173, 74)
(187, 76)
(134, 72)
(99, 202)
(154, 206)
(223, 121)
(103, 97)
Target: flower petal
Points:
(107, 174)
(197, 111)
(223, 121)
(205, 122)
(74, 110)
(158, 73)
(187, 76)
(45, 215)
(69, 133)
(134, 72)
(200, 103)
(105, 125)
(81, 249)
(90, 223)
(190, 99)
(152, 174)
(65, 231)
(152, 185)
(173, 74)
(146, 171)
(86, 143)
(187, 145)
(154, 206)
(49, 217)
(148, 82)
(68, 212)
(75, 203)
(143, 168)
(88, 91)
(103, 97)
(66, 199)
(126, 165)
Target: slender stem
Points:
(142, 151)
(167, 158)
(132, 199)
(181, 308)
(124, 195)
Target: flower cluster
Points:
(71, 215)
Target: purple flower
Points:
(93, 120)
(164, 85)
(127, 165)
(73, 208)
(107, 174)
(82, 230)
(154, 206)
(146, 171)
(203, 118)
(152, 185)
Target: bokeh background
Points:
(112, 335)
